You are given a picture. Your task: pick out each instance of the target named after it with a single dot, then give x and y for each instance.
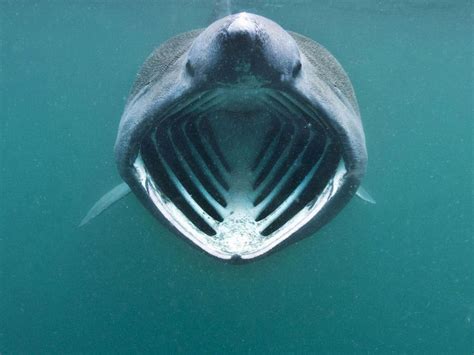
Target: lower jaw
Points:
(238, 184)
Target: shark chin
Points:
(241, 137)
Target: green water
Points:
(396, 277)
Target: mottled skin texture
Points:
(193, 61)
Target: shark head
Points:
(242, 137)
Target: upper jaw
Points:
(232, 208)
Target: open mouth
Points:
(239, 171)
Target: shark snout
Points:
(243, 46)
(242, 30)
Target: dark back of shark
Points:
(241, 137)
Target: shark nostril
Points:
(189, 68)
(297, 69)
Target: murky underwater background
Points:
(394, 277)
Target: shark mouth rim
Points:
(193, 179)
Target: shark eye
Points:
(297, 68)
(189, 68)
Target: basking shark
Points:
(241, 137)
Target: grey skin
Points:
(237, 75)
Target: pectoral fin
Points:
(364, 195)
(105, 202)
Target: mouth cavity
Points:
(239, 171)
